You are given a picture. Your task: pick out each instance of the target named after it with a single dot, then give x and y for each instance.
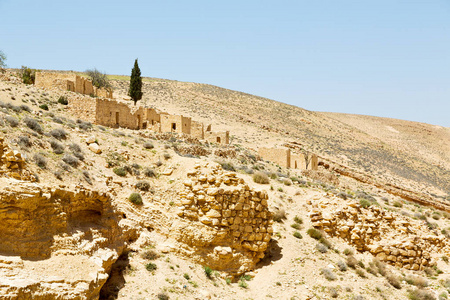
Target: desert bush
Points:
(352, 262)
(261, 178)
(298, 220)
(64, 166)
(208, 271)
(150, 254)
(329, 275)
(57, 120)
(279, 215)
(361, 273)
(314, 233)
(381, 267)
(58, 133)
(321, 248)
(151, 267)
(84, 125)
(40, 160)
(365, 203)
(24, 141)
(342, 195)
(33, 125)
(166, 156)
(158, 163)
(143, 185)
(148, 145)
(296, 226)
(348, 251)
(149, 172)
(43, 106)
(287, 182)
(99, 79)
(120, 171)
(87, 177)
(398, 204)
(298, 235)
(228, 166)
(28, 75)
(418, 281)
(58, 174)
(63, 100)
(135, 198)
(71, 160)
(342, 266)
(26, 108)
(163, 296)
(419, 294)
(57, 147)
(393, 280)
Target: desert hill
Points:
(411, 153)
(94, 212)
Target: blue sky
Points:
(385, 58)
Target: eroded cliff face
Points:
(56, 243)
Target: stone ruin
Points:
(390, 237)
(284, 157)
(70, 82)
(228, 225)
(12, 163)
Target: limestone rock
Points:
(94, 147)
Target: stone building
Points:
(175, 123)
(284, 158)
(69, 82)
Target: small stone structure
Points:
(175, 123)
(70, 82)
(389, 236)
(285, 158)
(12, 163)
(227, 206)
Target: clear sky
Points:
(384, 57)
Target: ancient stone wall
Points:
(103, 93)
(51, 80)
(298, 161)
(13, 164)
(197, 130)
(222, 138)
(389, 236)
(175, 123)
(116, 114)
(83, 107)
(280, 156)
(238, 215)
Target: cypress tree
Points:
(135, 91)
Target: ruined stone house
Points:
(70, 82)
(285, 158)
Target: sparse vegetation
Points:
(135, 198)
(71, 160)
(328, 274)
(63, 100)
(40, 160)
(151, 267)
(261, 178)
(120, 171)
(208, 271)
(143, 185)
(314, 233)
(298, 235)
(58, 133)
(33, 125)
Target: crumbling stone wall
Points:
(197, 130)
(69, 82)
(285, 158)
(389, 236)
(175, 123)
(222, 138)
(280, 156)
(83, 107)
(227, 206)
(12, 163)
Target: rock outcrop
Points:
(12, 163)
(391, 237)
(55, 242)
(223, 222)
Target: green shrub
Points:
(298, 235)
(143, 185)
(296, 226)
(242, 283)
(150, 254)
(28, 75)
(43, 107)
(208, 271)
(298, 220)
(314, 233)
(135, 198)
(151, 267)
(148, 145)
(419, 294)
(149, 172)
(63, 100)
(398, 204)
(261, 178)
(365, 203)
(348, 251)
(186, 276)
(120, 171)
